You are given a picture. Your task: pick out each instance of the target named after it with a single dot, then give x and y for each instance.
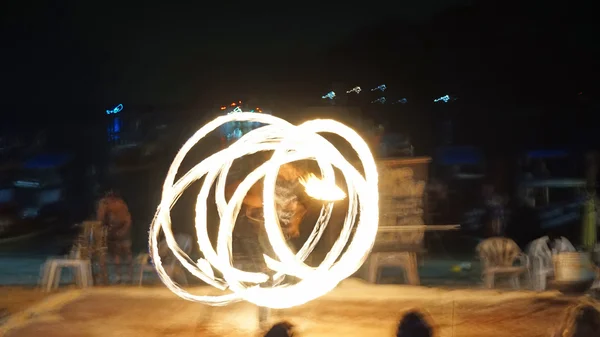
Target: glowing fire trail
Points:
(289, 143)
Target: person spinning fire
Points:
(291, 208)
(114, 214)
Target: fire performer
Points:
(290, 208)
(114, 214)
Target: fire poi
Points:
(289, 143)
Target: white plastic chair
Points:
(184, 242)
(562, 245)
(52, 268)
(143, 261)
(540, 256)
(541, 265)
(499, 255)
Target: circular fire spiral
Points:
(289, 143)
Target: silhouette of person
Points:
(113, 212)
(582, 320)
(281, 329)
(414, 324)
(290, 209)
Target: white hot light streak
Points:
(289, 143)
(322, 190)
(355, 90)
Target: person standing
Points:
(252, 236)
(114, 214)
(494, 205)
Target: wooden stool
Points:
(404, 260)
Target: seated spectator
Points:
(281, 329)
(414, 324)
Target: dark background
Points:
(524, 71)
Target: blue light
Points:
(444, 99)
(47, 161)
(401, 101)
(113, 129)
(380, 100)
(235, 130)
(329, 95)
(380, 87)
(115, 110)
(236, 110)
(536, 154)
(116, 125)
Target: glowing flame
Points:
(346, 255)
(321, 189)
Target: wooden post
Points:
(591, 169)
(589, 216)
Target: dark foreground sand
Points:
(353, 309)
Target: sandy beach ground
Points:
(16, 299)
(353, 309)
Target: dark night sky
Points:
(67, 55)
(511, 62)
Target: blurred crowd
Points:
(580, 320)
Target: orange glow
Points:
(322, 190)
(223, 107)
(239, 102)
(233, 104)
